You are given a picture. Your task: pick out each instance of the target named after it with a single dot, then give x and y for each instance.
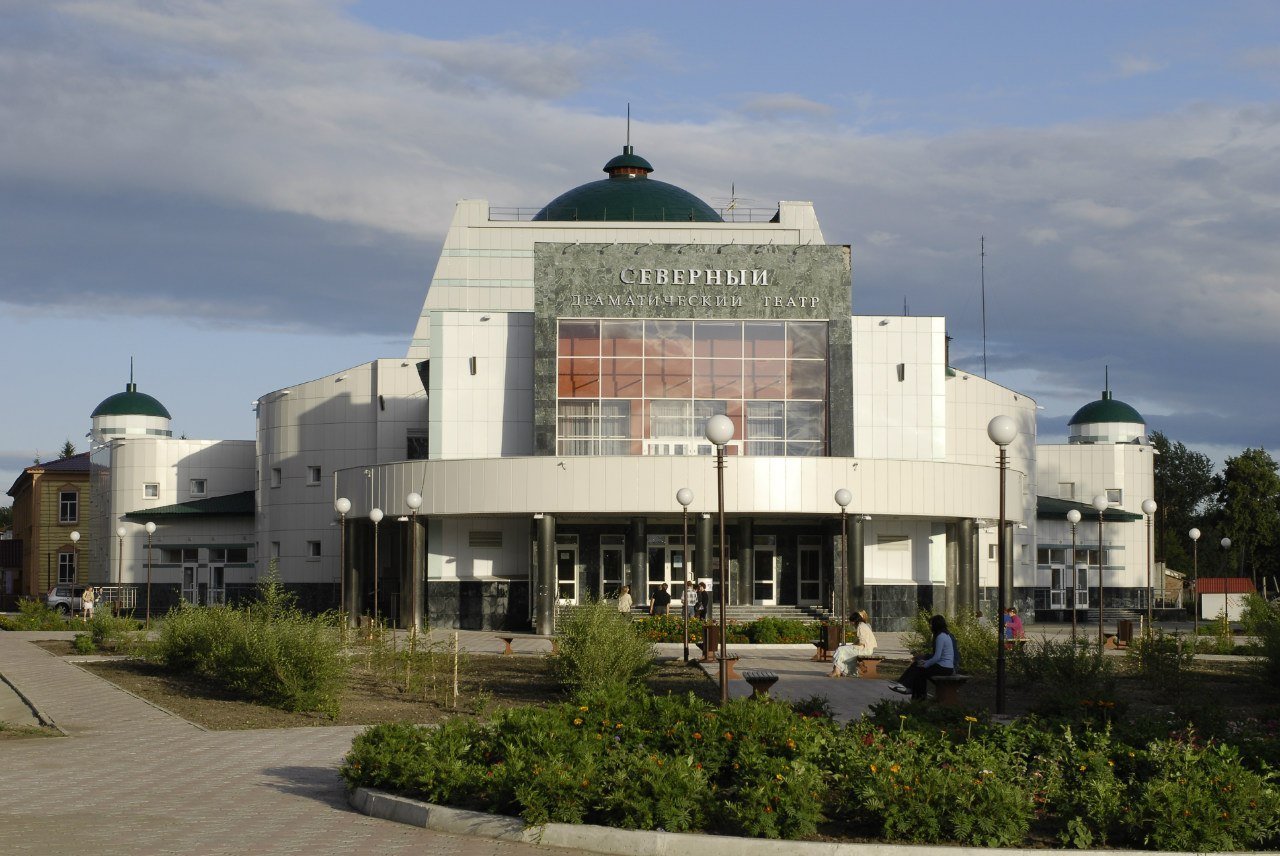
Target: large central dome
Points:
(628, 194)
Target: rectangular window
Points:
(151, 490)
(275, 549)
(1115, 495)
(416, 447)
(313, 549)
(991, 551)
(277, 478)
(893, 543)
(1066, 490)
(66, 568)
(198, 487)
(179, 555)
(68, 506)
(313, 475)
(229, 555)
(490, 539)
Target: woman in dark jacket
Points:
(943, 661)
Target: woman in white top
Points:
(624, 600)
(848, 654)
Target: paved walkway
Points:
(131, 779)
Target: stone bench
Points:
(730, 660)
(867, 666)
(946, 689)
(822, 655)
(760, 681)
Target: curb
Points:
(636, 842)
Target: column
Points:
(967, 567)
(544, 609)
(638, 551)
(704, 540)
(741, 588)
(855, 534)
(950, 594)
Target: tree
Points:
(6, 517)
(1184, 483)
(1250, 500)
(68, 449)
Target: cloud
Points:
(1137, 66)
(783, 104)
(1261, 58)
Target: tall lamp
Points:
(843, 498)
(151, 530)
(1194, 535)
(1001, 430)
(720, 432)
(342, 505)
(75, 549)
(1100, 504)
(684, 496)
(1149, 509)
(414, 501)
(375, 515)
(1073, 517)
(119, 602)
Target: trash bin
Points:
(1124, 632)
(711, 642)
(833, 637)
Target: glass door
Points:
(764, 584)
(810, 577)
(567, 573)
(217, 587)
(1057, 587)
(1082, 587)
(612, 564)
(190, 593)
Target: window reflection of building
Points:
(632, 387)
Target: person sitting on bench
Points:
(847, 654)
(944, 661)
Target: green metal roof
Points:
(1106, 409)
(628, 195)
(230, 505)
(131, 403)
(1055, 508)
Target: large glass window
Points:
(648, 387)
(68, 506)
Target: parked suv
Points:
(65, 598)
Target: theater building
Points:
(554, 397)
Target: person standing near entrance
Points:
(689, 599)
(660, 603)
(624, 600)
(703, 602)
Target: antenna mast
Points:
(982, 256)
(628, 126)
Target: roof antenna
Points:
(982, 254)
(1106, 381)
(906, 311)
(628, 127)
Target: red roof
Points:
(1225, 585)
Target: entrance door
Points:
(217, 587)
(567, 573)
(612, 564)
(1082, 587)
(190, 593)
(1058, 579)
(764, 584)
(810, 577)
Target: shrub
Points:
(778, 631)
(1164, 662)
(1067, 679)
(107, 629)
(268, 650)
(34, 615)
(1261, 622)
(975, 638)
(83, 644)
(599, 647)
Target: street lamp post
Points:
(1001, 430)
(375, 515)
(75, 550)
(342, 505)
(1194, 535)
(1073, 517)
(151, 530)
(1149, 509)
(119, 601)
(720, 431)
(843, 497)
(414, 501)
(1100, 504)
(684, 496)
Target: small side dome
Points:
(130, 403)
(1107, 420)
(628, 194)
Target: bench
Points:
(822, 655)
(507, 640)
(1019, 644)
(729, 661)
(867, 666)
(760, 681)
(946, 689)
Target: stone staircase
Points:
(1112, 615)
(739, 613)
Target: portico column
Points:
(967, 575)
(703, 538)
(638, 550)
(745, 578)
(950, 594)
(545, 591)
(857, 563)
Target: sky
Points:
(244, 195)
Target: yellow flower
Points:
(971, 719)
(584, 707)
(1082, 768)
(895, 768)
(577, 720)
(873, 768)
(728, 735)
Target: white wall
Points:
(892, 417)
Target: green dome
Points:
(1106, 409)
(628, 194)
(130, 403)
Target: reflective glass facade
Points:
(648, 386)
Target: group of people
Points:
(697, 600)
(943, 660)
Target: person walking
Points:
(87, 600)
(847, 655)
(624, 600)
(660, 603)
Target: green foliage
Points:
(1184, 482)
(83, 644)
(107, 629)
(268, 650)
(779, 631)
(35, 615)
(975, 638)
(1261, 622)
(1250, 500)
(763, 631)
(1164, 662)
(600, 647)
(1067, 679)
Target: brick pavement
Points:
(131, 779)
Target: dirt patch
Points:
(489, 681)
